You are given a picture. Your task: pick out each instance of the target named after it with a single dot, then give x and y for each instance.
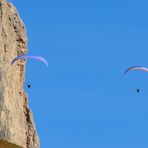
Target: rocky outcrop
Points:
(17, 128)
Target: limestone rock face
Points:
(17, 128)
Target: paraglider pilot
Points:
(28, 85)
(138, 90)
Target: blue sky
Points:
(83, 100)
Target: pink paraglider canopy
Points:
(31, 57)
(136, 68)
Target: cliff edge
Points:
(17, 128)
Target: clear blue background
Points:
(83, 100)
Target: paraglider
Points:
(24, 56)
(136, 68)
(31, 57)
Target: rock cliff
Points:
(17, 128)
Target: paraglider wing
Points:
(32, 57)
(136, 68)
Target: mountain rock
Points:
(17, 129)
